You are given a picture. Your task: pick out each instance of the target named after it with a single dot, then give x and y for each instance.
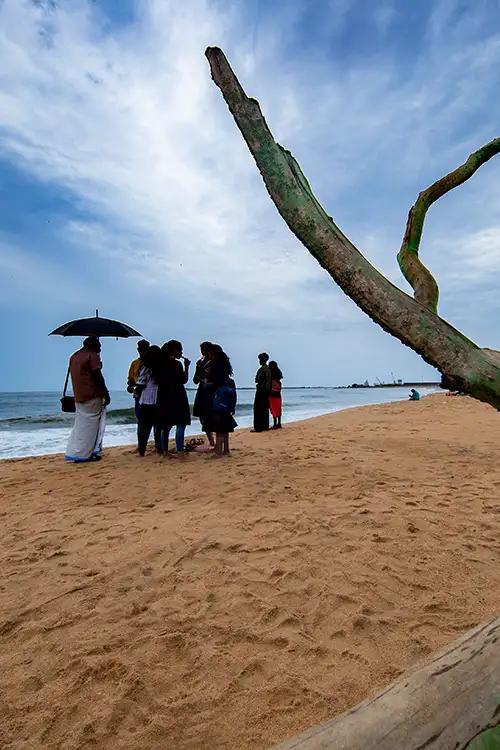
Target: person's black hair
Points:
(143, 344)
(206, 346)
(153, 361)
(170, 347)
(221, 356)
(91, 343)
(276, 373)
(263, 356)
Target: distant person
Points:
(204, 394)
(146, 393)
(414, 395)
(173, 404)
(275, 404)
(134, 369)
(220, 418)
(91, 398)
(262, 391)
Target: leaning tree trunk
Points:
(463, 364)
(451, 703)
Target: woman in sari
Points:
(275, 404)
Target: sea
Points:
(32, 424)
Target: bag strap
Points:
(66, 382)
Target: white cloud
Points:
(130, 123)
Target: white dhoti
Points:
(85, 440)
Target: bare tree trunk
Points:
(451, 703)
(463, 364)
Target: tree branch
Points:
(418, 276)
(462, 362)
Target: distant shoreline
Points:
(393, 385)
(285, 387)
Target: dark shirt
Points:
(263, 378)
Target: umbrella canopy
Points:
(95, 327)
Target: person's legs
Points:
(100, 434)
(219, 443)
(256, 413)
(157, 435)
(85, 440)
(225, 443)
(263, 411)
(146, 417)
(279, 422)
(165, 435)
(210, 435)
(179, 437)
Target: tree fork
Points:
(462, 363)
(416, 274)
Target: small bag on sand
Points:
(67, 402)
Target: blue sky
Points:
(125, 185)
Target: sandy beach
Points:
(152, 603)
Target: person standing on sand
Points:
(173, 404)
(204, 394)
(134, 369)
(91, 398)
(262, 391)
(146, 393)
(275, 404)
(220, 418)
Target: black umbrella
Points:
(95, 327)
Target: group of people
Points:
(157, 380)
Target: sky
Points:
(126, 186)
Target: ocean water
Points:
(32, 423)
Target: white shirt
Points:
(149, 393)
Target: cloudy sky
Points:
(125, 184)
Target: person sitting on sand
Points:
(146, 393)
(204, 394)
(173, 404)
(414, 395)
(91, 398)
(262, 391)
(134, 369)
(275, 404)
(220, 418)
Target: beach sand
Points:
(164, 604)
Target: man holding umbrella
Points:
(91, 395)
(91, 398)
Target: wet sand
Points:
(155, 603)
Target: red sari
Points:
(275, 399)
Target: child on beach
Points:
(275, 403)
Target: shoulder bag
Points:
(67, 402)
